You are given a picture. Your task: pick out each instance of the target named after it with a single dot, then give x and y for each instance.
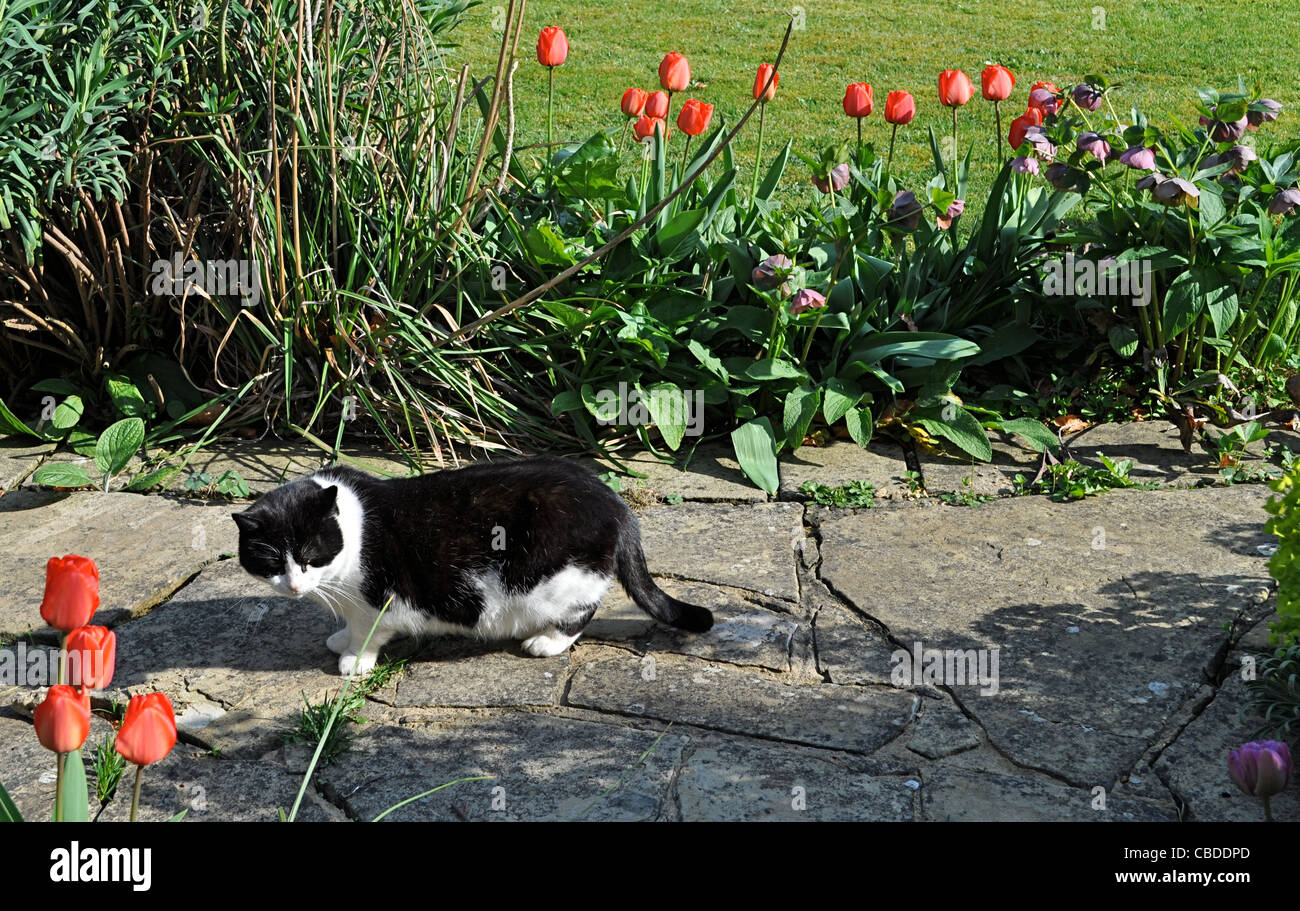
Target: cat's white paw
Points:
(356, 664)
(548, 644)
(339, 642)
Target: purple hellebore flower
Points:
(769, 273)
(1177, 191)
(1285, 203)
(839, 179)
(1036, 136)
(947, 217)
(1025, 165)
(1225, 131)
(1268, 113)
(1087, 97)
(1261, 768)
(1154, 179)
(905, 212)
(806, 299)
(1059, 175)
(1139, 158)
(1045, 99)
(1093, 143)
(1241, 157)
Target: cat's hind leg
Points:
(557, 640)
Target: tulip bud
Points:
(71, 592)
(1094, 145)
(1023, 165)
(954, 88)
(1285, 203)
(838, 179)
(693, 118)
(634, 102)
(62, 720)
(996, 83)
(656, 105)
(148, 730)
(1139, 158)
(674, 73)
(900, 108)
(1263, 111)
(762, 91)
(857, 100)
(1087, 97)
(552, 46)
(1261, 768)
(806, 299)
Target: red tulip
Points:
(96, 651)
(857, 100)
(646, 126)
(71, 592)
(552, 46)
(674, 73)
(634, 102)
(900, 108)
(693, 118)
(996, 83)
(955, 88)
(1030, 118)
(656, 105)
(62, 721)
(148, 731)
(760, 81)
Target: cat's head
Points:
(291, 536)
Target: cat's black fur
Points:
(423, 538)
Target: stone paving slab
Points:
(751, 548)
(19, 457)
(947, 473)
(1195, 765)
(266, 464)
(712, 474)
(145, 547)
(733, 779)
(850, 650)
(839, 463)
(461, 672)
(961, 795)
(691, 691)
(543, 768)
(1089, 671)
(1155, 449)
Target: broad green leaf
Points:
(8, 809)
(773, 369)
(10, 424)
(117, 444)
(959, 427)
(1032, 432)
(547, 247)
(57, 386)
(755, 446)
(1184, 302)
(841, 395)
(591, 172)
(126, 397)
(668, 409)
(68, 413)
(773, 176)
(1123, 339)
(678, 228)
(74, 798)
(572, 318)
(569, 400)
(936, 345)
(859, 423)
(800, 409)
(61, 474)
(155, 478)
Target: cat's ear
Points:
(327, 501)
(245, 520)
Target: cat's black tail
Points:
(635, 578)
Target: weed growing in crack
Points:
(853, 494)
(313, 724)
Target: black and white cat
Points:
(518, 550)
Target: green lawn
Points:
(1160, 51)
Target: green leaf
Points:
(155, 478)
(859, 423)
(61, 474)
(591, 172)
(773, 175)
(181, 815)
(57, 386)
(841, 395)
(73, 793)
(668, 409)
(773, 369)
(800, 409)
(68, 413)
(569, 400)
(8, 809)
(1184, 301)
(126, 397)
(1123, 339)
(755, 446)
(572, 318)
(936, 345)
(1032, 432)
(677, 229)
(10, 424)
(117, 444)
(547, 247)
(959, 427)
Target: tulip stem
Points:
(550, 111)
(859, 140)
(758, 157)
(58, 788)
(997, 137)
(135, 796)
(954, 152)
(890, 163)
(686, 159)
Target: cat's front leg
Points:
(355, 660)
(339, 642)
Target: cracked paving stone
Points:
(849, 650)
(838, 464)
(466, 673)
(944, 473)
(19, 457)
(1195, 765)
(942, 730)
(145, 547)
(739, 780)
(745, 630)
(691, 691)
(1088, 671)
(952, 794)
(542, 768)
(750, 548)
